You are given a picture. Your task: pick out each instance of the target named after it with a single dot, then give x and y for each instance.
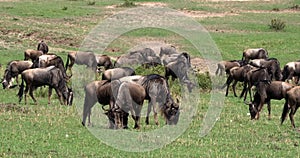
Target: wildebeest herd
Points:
(120, 88)
(257, 69)
(124, 91)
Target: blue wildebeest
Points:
(291, 104)
(179, 68)
(13, 69)
(120, 103)
(96, 91)
(42, 46)
(157, 92)
(253, 77)
(236, 74)
(138, 57)
(47, 60)
(130, 97)
(225, 66)
(272, 65)
(290, 70)
(116, 73)
(264, 93)
(104, 60)
(256, 53)
(32, 54)
(81, 58)
(51, 77)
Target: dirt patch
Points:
(203, 14)
(199, 65)
(152, 4)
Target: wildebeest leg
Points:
(125, 120)
(249, 89)
(137, 114)
(217, 71)
(31, 94)
(269, 109)
(292, 112)
(60, 96)
(295, 108)
(148, 111)
(228, 82)
(89, 102)
(244, 91)
(233, 87)
(49, 94)
(25, 93)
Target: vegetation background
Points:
(55, 131)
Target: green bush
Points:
(277, 24)
(204, 81)
(91, 3)
(128, 3)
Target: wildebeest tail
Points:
(243, 58)
(21, 90)
(285, 110)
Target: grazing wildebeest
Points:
(290, 70)
(264, 93)
(236, 74)
(252, 77)
(116, 73)
(13, 69)
(81, 58)
(130, 97)
(50, 76)
(179, 69)
(272, 64)
(104, 60)
(100, 91)
(42, 46)
(32, 54)
(137, 57)
(257, 53)
(167, 51)
(291, 104)
(157, 92)
(225, 66)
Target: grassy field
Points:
(55, 131)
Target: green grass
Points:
(55, 131)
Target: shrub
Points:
(128, 3)
(64, 8)
(91, 3)
(204, 81)
(277, 24)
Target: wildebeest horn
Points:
(104, 108)
(247, 103)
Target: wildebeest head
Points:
(171, 112)
(252, 109)
(111, 117)
(42, 46)
(7, 79)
